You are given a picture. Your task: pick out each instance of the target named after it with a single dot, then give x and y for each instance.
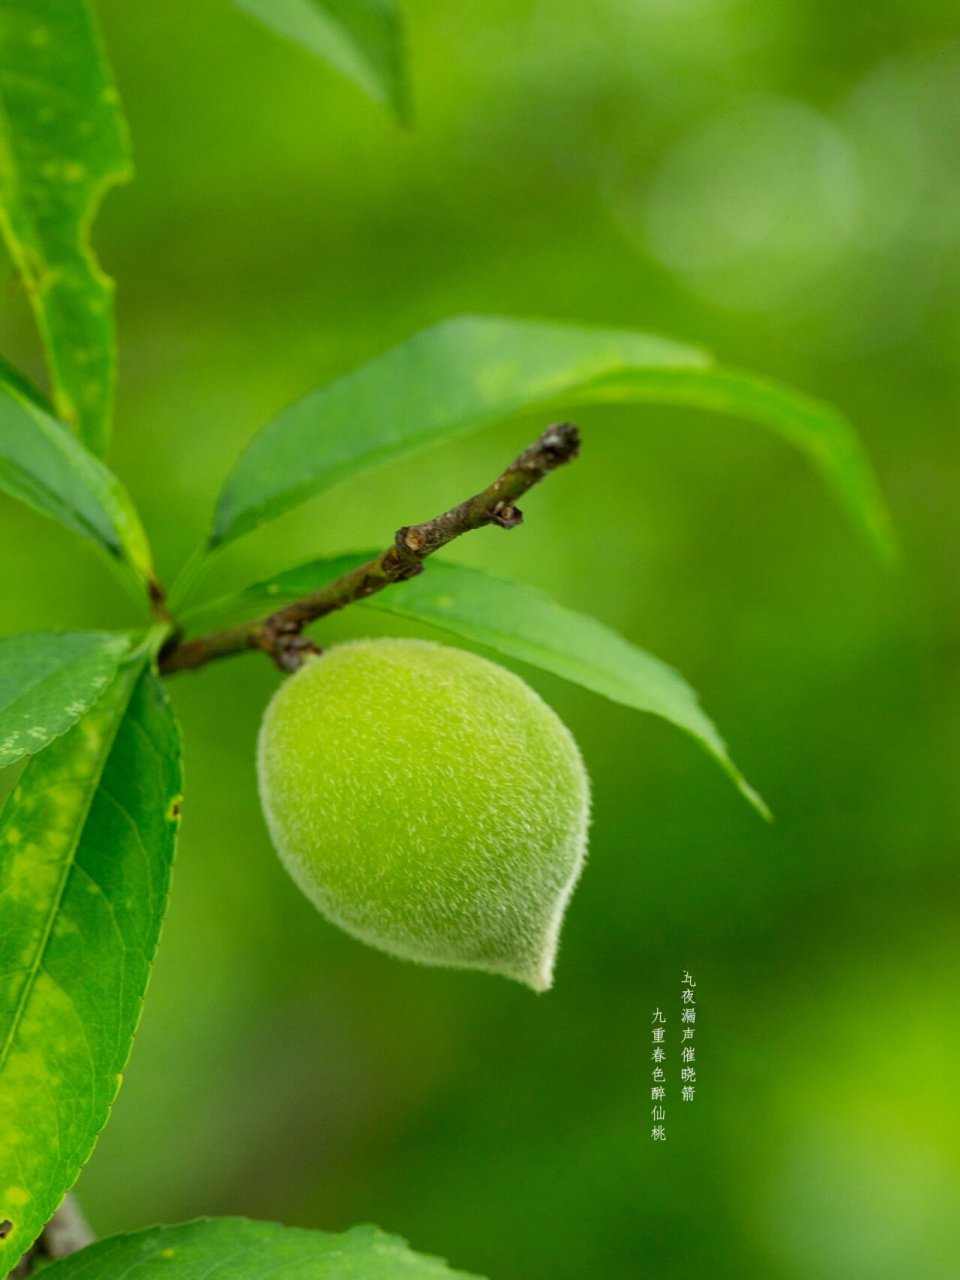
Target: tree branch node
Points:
(279, 634)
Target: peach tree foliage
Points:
(88, 832)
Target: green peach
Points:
(428, 802)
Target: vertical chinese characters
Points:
(688, 1053)
(658, 1091)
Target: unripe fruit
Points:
(428, 802)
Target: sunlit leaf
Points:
(516, 620)
(363, 39)
(63, 143)
(469, 371)
(48, 680)
(45, 466)
(86, 842)
(238, 1249)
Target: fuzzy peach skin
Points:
(428, 802)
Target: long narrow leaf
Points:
(86, 842)
(515, 620)
(238, 1249)
(469, 371)
(45, 466)
(362, 39)
(439, 383)
(816, 429)
(63, 142)
(48, 681)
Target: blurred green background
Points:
(781, 180)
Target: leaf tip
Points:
(886, 542)
(754, 798)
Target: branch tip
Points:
(279, 634)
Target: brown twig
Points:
(67, 1232)
(280, 634)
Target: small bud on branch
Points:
(279, 634)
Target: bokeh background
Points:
(781, 180)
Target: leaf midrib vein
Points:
(68, 863)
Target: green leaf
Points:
(48, 680)
(816, 429)
(239, 1249)
(514, 620)
(362, 39)
(86, 842)
(63, 143)
(469, 371)
(439, 383)
(45, 466)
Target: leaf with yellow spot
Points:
(86, 844)
(48, 680)
(63, 143)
